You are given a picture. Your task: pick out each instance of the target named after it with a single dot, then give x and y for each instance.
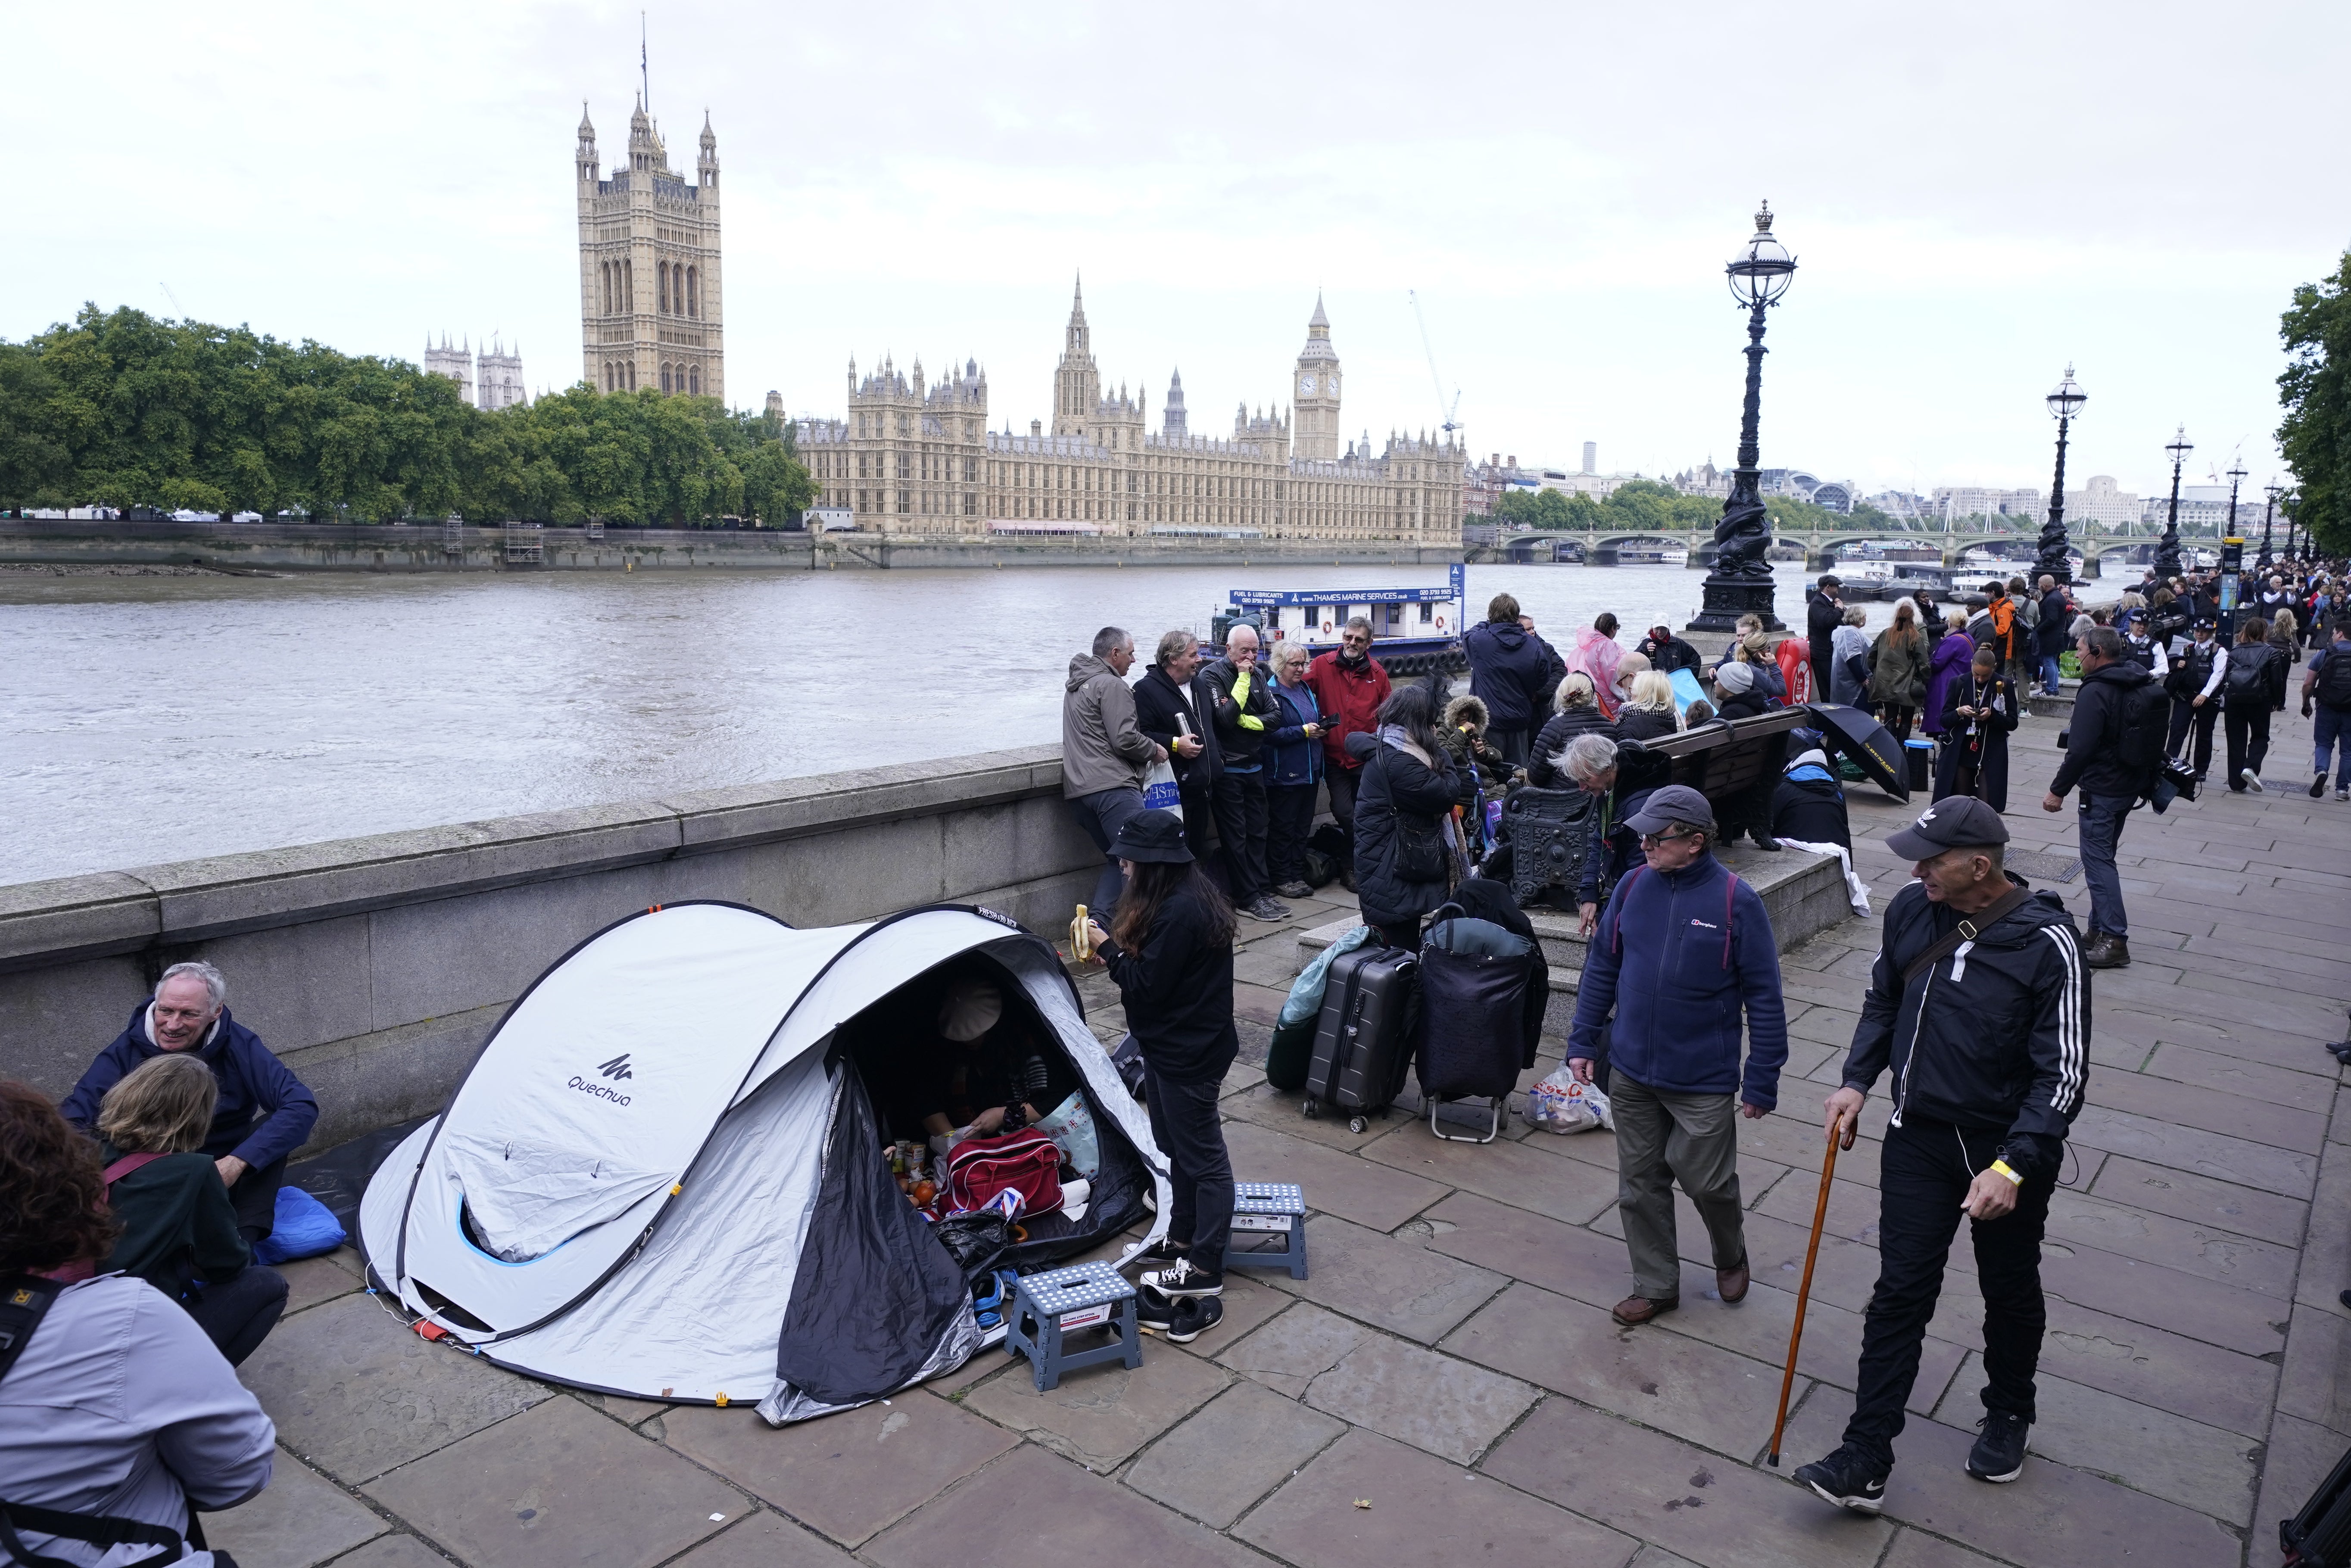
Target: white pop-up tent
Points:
(663, 1176)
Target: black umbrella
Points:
(1854, 734)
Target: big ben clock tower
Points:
(1317, 392)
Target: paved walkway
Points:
(1448, 1387)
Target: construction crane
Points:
(1447, 411)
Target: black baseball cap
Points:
(1955, 822)
(1672, 804)
(1152, 835)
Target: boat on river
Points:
(1414, 632)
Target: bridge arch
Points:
(1607, 549)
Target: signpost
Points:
(2233, 566)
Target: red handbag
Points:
(1026, 1161)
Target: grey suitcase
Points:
(1364, 1037)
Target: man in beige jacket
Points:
(1103, 752)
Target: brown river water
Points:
(159, 719)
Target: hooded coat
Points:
(1163, 710)
(1291, 756)
(1808, 804)
(263, 1113)
(1243, 724)
(2094, 740)
(1510, 670)
(1102, 748)
(1899, 668)
(1542, 770)
(1467, 747)
(1950, 663)
(1995, 1037)
(1395, 783)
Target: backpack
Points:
(2334, 688)
(2141, 719)
(1027, 1162)
(2248, 677)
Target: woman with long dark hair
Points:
(1898, 666)
(1406, 855)
(118, 1412)
(1170, 949)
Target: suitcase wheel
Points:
(1312, 1109)
(1356, 1124)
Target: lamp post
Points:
(2292, 523)
(2064, 403)
(2273, 490)
(1741, 582)
(2236, 478)
(2166, 552)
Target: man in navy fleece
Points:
(1683, 948)
(264, 1113)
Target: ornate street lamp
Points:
(2064, 403)
(2236, 478)
(1741, 582)
(2166, 552)
(2273, 490)
(2289, 501)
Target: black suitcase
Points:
(1363, 1037)
(2320, 1535)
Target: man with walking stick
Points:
(1979, 1008)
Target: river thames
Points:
(163, 719)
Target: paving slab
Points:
(1353, 1189)
(1416, 1396)
(2169, 1371)
(1423, 1513)
(2310, 1091)
(2287, 1171)
(2156, 1451)
(1041, 1511)
(1241, 1444)
(2262, 1120)
(560, 1486)
(1389, 1284)
(2203, 1199)
(1508, 1172)
(766, 1540)
(2316, 1384)
(309, 1281)
(1694, 1503)
(1249, 1301)
(400, 1551)
(1697, 1391)
(1295, 1348)
(355, 1393)
(1102, 1416)
(1913, 1549)
(1278, 1110)
(2299, 1457)
(1568, 1259)
(301, 1519)
(2051, 1516)
(2183, 1244)
(2327, 1251)
(848, 1475)
(1757, 1329)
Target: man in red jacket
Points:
(1349, 685)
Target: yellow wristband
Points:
(2002, 1167)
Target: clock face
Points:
(1305, 385)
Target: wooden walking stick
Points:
(1805, 1295)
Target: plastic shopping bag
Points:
(1561, 1105)
(1159, 790)
(1070, 1125)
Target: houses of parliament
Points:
(918, 457)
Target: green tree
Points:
(2316, 433)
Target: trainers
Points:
(1165, 1250)
(2253, 782)
(2318, 786)
(1999, 1454)
(1295, 890)
(2106, 950)
(1848, 1479)
(1187, 1318)
(2342, 792)
(1184, 1278)
(1265, 908)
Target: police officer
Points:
(1980, 1009)
(2197, 664)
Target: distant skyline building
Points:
(490, 380)
(652, 306)
(916, 457)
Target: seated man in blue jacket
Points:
(264, 1113)
(1682, 949)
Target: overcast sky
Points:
(1976, 196)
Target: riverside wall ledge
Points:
(429, 547)
(376, 966)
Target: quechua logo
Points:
(617, 1068)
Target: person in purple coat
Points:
(1952, 659)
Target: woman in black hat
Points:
(1170, 949)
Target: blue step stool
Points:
(1264, 1208)
(1045, 1306)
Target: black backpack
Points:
(2334, 688)
(2142, 719)
(2247, 677)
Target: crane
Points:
(1450, 422)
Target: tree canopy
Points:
(2315, 434)
(121, 409)
(1644, 505)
